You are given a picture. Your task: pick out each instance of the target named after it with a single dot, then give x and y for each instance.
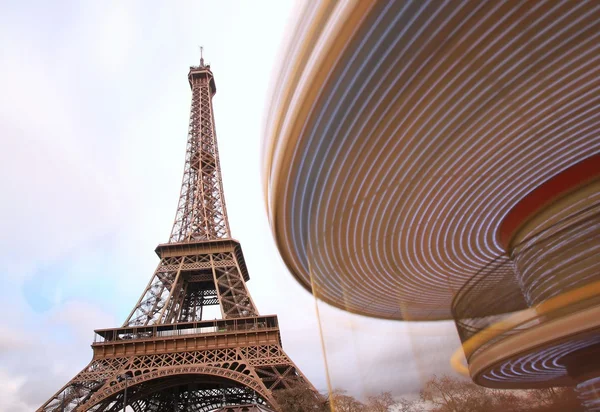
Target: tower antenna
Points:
(201, 56)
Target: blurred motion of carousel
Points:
(434, 160)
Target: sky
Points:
(93, 125)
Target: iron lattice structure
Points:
(166, 356)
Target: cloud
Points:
(80, 318)
(57, 193)
(9, 393)
(12, 341)
(40, 359)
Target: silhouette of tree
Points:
(404, 405)
(449, 394)
(381, 403)
(554, 400)
(439, 394)
(341, 402)
(301, 398)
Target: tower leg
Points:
(159, 382)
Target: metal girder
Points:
(201, 212)
(179, 286)
(173, 368)
(254, 371)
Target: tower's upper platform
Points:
(202, 71)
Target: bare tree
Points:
(448, 394)
(554, 400)
(439, 394)
(404, 405)
(445, 394)
(301, 398)
(381, 403)
(341, 402)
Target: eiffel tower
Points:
(166, 357)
